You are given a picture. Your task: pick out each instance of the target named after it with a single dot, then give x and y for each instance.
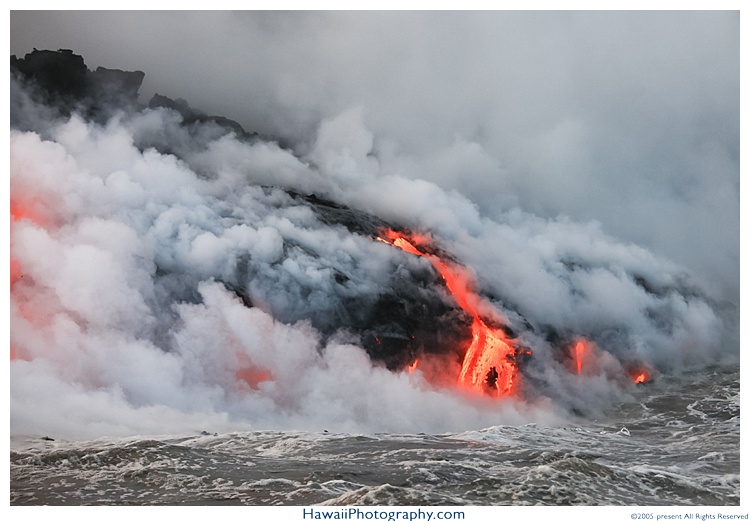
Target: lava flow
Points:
(579, 356)
(640, 375)
(588, 360)
(489, 364)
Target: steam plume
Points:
(169, 277)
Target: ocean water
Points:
(676, 443)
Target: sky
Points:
(629, 119)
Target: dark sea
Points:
(676, 443)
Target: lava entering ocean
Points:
(162, 259)
(490, 363)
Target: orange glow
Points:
(26, 210)
(15, 270)
(580, 348)
(31, 211)
(249, 375)
(585, 357)
(489, 364)
(640, 374)
(413, 366)
(253, 376)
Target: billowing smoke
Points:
(627, 118)
(171, 274)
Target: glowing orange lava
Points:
(640, 374)
(489, 364)
(588, 360)
(580, 348)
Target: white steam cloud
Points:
(627, 118)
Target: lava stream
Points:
(490, 362)
(580, 351)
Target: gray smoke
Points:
(630, 119)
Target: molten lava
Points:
(588, 360)
(489, 364)
(579, 353)
(640, 374)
